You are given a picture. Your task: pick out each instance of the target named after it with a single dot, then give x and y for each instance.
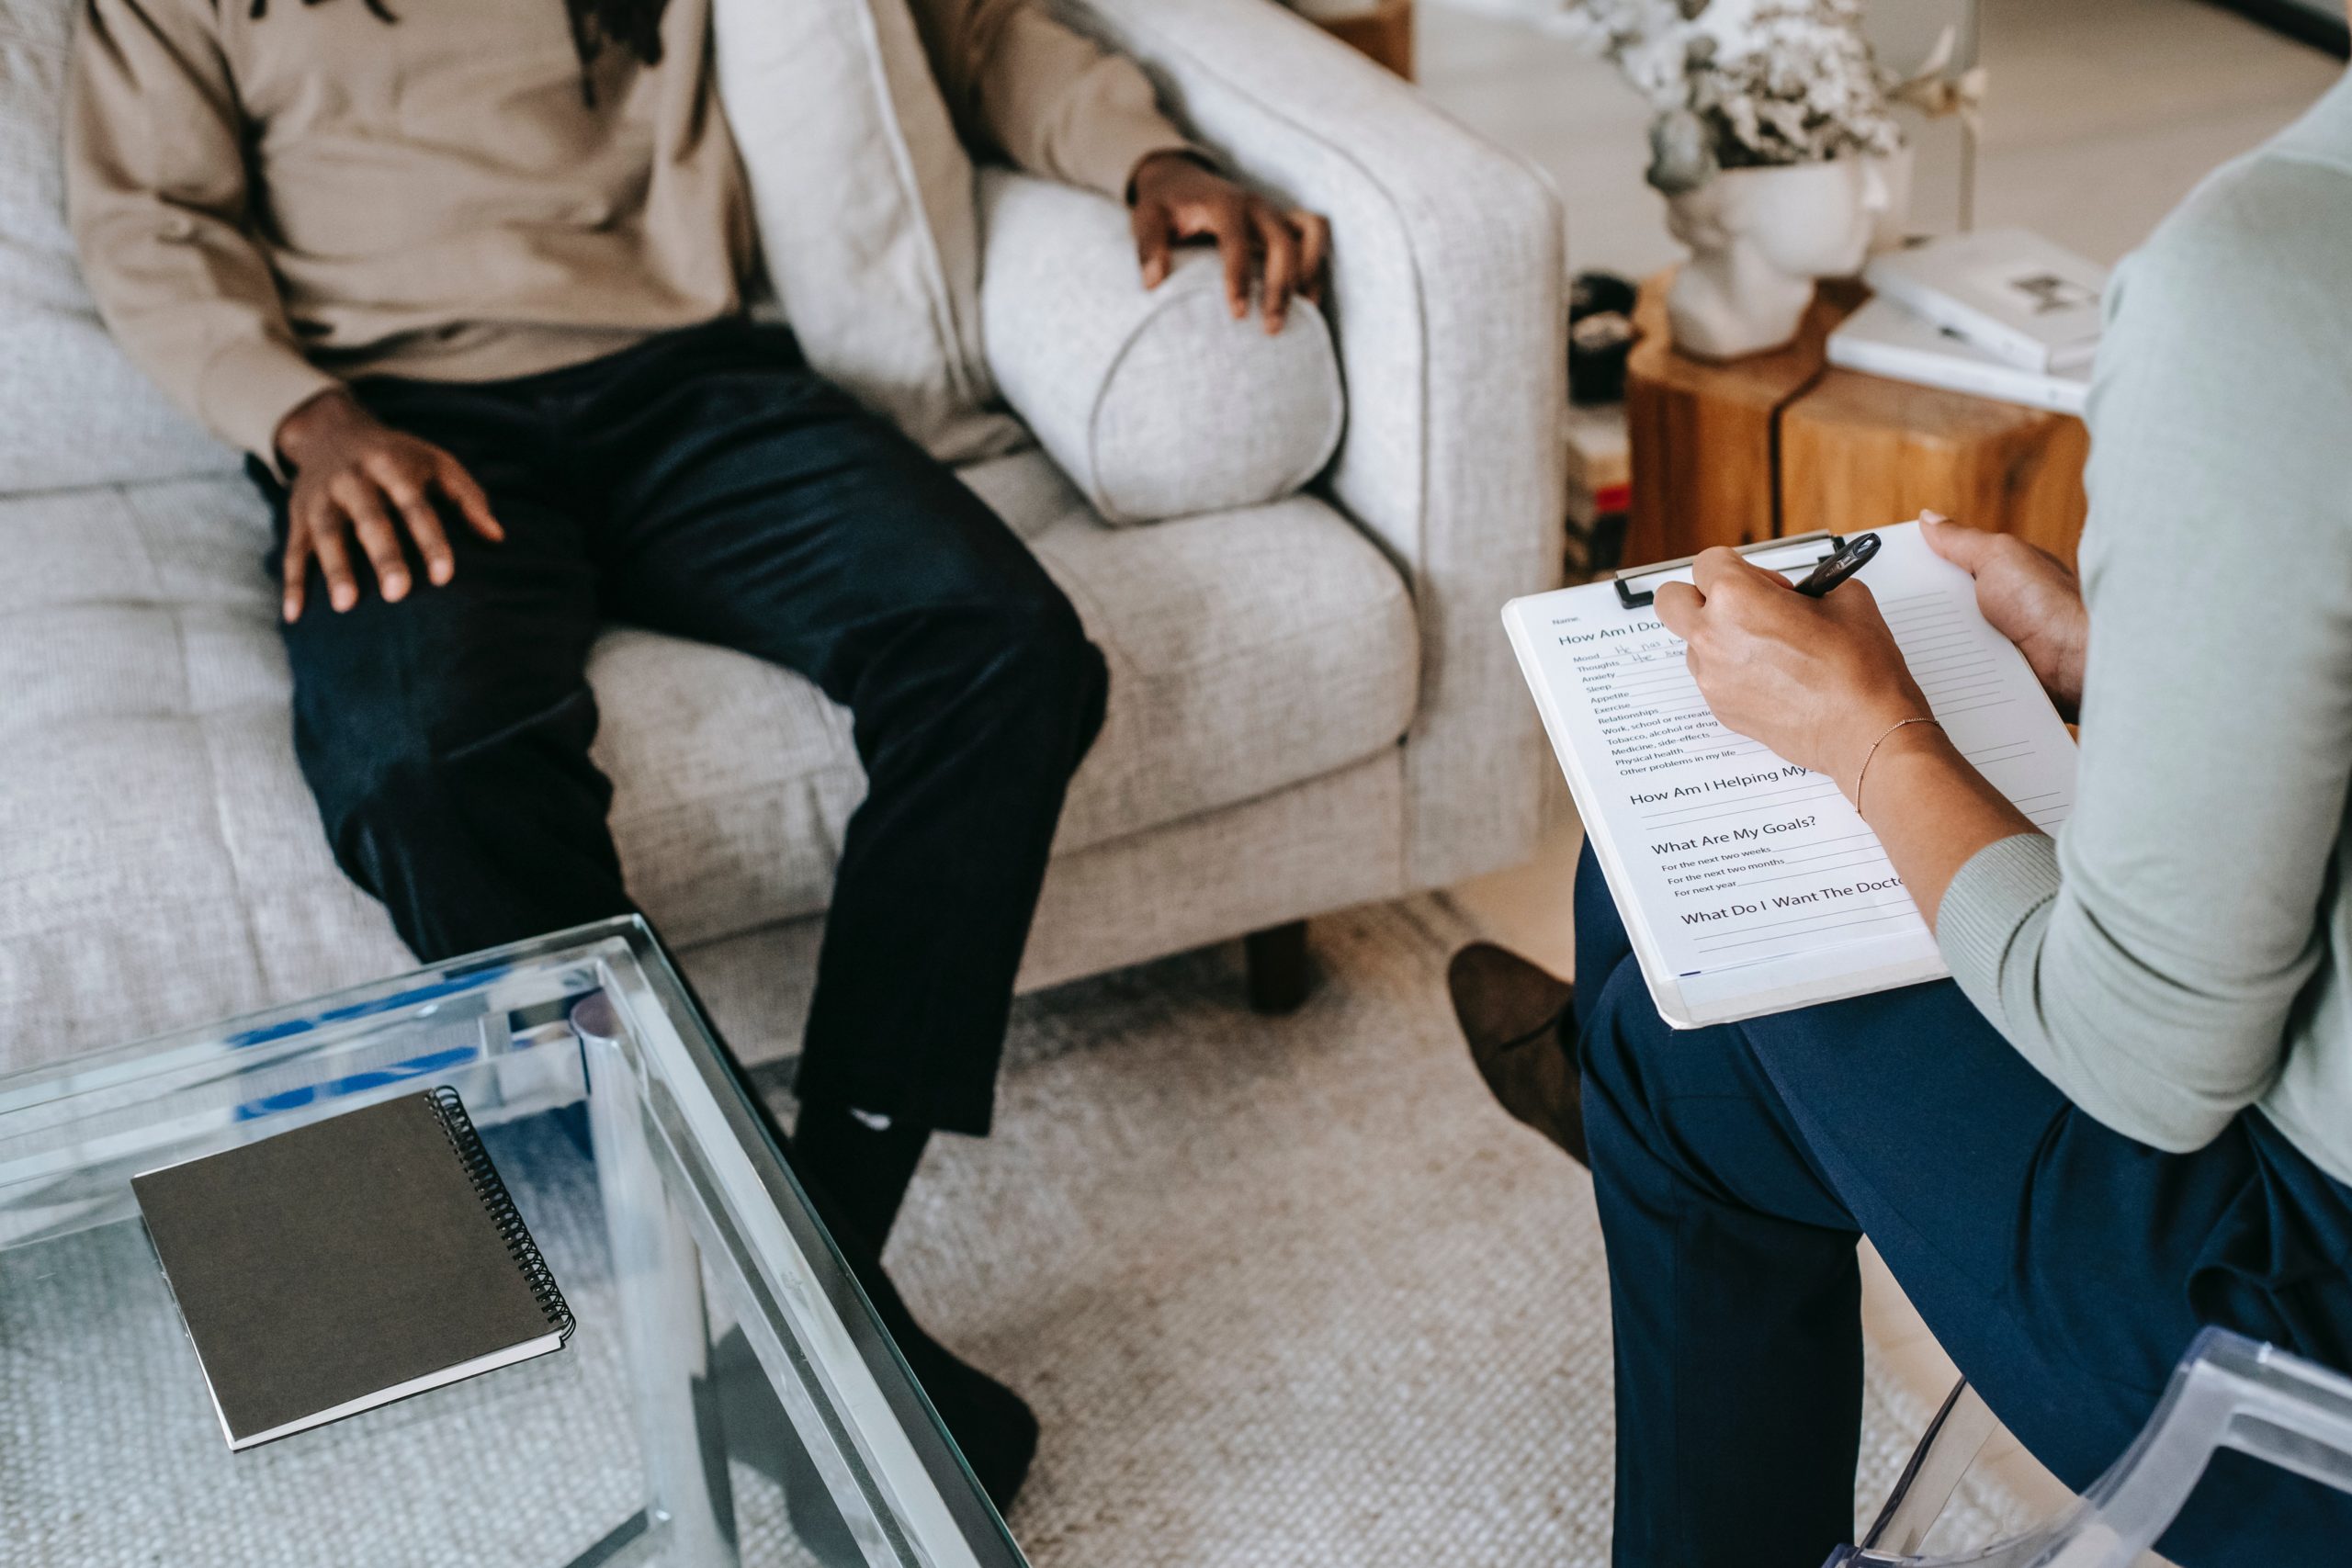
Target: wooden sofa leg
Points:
(1280, 975)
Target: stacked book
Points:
(2002, 313)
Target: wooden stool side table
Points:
(1705, 437)
(1856, 447)
(1385, 32)
(1781, 443)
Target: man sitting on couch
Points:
(465, 282)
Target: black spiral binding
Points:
(459, 1129)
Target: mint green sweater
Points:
(2183, 950)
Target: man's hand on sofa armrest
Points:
(1174, 196)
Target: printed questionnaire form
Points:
(1747, 884)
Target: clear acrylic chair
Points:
(2229, 1391)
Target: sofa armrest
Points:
(1155, 402)
(1448, 297)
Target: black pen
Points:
(1835, 569)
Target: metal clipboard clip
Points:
(1803, 549)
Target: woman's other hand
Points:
(2030, 597)
(1818, 681)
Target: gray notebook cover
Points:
(348, 1263)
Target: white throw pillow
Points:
(74, 411)
(1156, 403)
(864, 202)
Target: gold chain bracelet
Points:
(1865, 772)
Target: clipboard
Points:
(1746, 884)
(1820, 543)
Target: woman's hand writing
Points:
(1816, 680)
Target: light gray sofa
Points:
(1313, 705)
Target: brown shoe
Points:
(1511, 1013)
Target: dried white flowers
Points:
(1741, 83)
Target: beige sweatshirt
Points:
(267, 205)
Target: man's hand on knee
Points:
(352, 475)
(1176, 198)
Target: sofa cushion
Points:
(1156, 402)
(834, 110)
(161, 861)
(77, 411)
(1248, 648)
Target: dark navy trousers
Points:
(708, 483)
(2064, 1266)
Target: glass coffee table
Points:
(728, 1397)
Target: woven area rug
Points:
(1289, 1291)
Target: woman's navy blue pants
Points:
(2064, 1266)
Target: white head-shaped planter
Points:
(1758, 238)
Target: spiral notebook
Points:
(347, 1264)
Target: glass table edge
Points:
(347, 1006)
(949, 1475)
(627, 955)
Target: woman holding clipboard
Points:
(2130, 1114)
